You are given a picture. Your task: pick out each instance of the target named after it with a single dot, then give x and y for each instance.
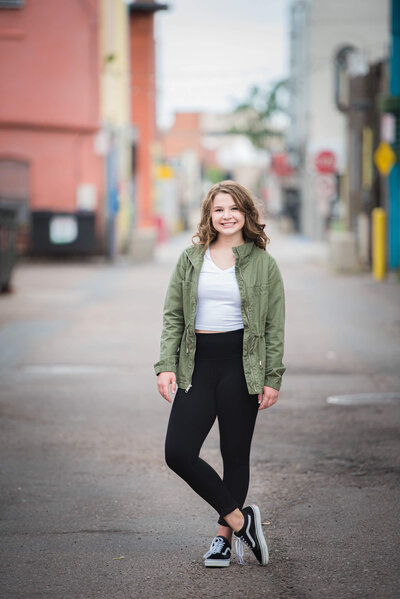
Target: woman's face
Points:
(225, 215)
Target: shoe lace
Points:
(216, 545)
(239, 549)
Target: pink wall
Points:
(49, 71)
(49, 97)
(59, 162)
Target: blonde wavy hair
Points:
(253, 230)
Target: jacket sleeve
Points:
(173, 321)
(275, 328)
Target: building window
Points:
(16, 4)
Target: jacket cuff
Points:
(167, 365)
(273, 381)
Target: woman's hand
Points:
(267, 398)
(164, 380)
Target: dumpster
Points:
(62, 233)
(8, 227)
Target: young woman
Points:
(221, 351)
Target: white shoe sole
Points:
(217, 563)
(260, 535)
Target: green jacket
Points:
(263, 314)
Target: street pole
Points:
(378, 243)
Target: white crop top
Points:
(218, 298)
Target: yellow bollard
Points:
(378, 243)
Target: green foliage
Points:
(259, 108)
(214, 174)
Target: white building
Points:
(319, 29)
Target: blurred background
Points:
(116, 117)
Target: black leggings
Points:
(218, 391)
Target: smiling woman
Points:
(222, 346)
(226, 217)
(229, 203)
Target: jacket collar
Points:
(242, 252)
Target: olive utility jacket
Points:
(263, 313)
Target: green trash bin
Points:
(8, 230)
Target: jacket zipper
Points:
(194, 333)
(248, 318)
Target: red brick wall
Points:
(143, 110)
(49, 90)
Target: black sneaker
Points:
(219, 554)
(252, 535)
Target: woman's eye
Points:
(235, 208)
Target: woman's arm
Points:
(274, 328)
(173, 321)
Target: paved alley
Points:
(88, 507)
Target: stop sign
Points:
(280, 165)
(325, 162)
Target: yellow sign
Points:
(384, 158)
(165, 171)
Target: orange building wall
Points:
(49, 90)
(185, 134)
(143, 110)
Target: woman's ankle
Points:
(225, 531)
(235, 520)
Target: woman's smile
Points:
(225, 214)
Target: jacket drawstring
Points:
(187, 337)
(256, 338)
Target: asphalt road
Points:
(88, 508)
